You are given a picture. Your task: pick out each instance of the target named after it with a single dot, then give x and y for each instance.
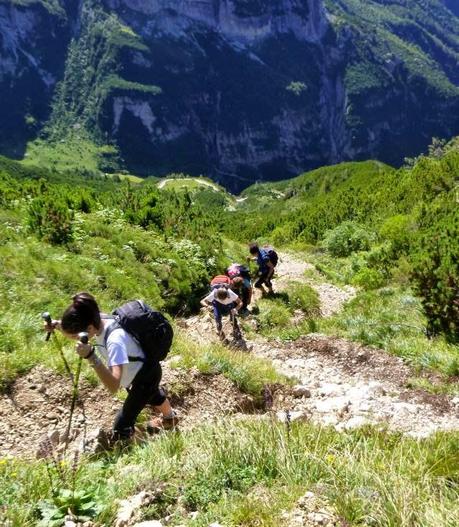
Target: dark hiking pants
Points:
(143, 390)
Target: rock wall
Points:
(244, 90)
(236, 19)
(33, 42)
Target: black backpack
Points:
(273, 256)
(151, 330)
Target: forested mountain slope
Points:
(239, 91)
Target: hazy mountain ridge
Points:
(240, 91)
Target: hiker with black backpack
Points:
(266, 259)
(131, 342)
(241, 284)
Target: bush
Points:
(436, 266)
(50, 218)
(347, 238)
(398, 230)
(283, 233)
(380, 257)
(304, 297)
(368, 279)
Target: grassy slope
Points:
(311, 184)
(246, 474)
(75, 152)
(367, 192)
(270, 206)
(238, 474)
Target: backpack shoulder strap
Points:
(110, 329)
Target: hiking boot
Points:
(238, 344)
(244, 312)
(169, 423)
(158, 424)
(221, 336)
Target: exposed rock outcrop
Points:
(33, 43)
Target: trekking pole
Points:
(83, 336)
(47, 318)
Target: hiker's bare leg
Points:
(168, 421)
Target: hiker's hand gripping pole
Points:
(51, 327)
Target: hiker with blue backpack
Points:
(127, 350)
(266, 259)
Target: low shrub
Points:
(347, 238)
(304, 297)
(368, 279)
(399, 231)
(50, 218)
(436, 266)
(381, 256)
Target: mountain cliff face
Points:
(224, 69)
(33, 42)
(239, 90)
(237, 19)
(452, 5)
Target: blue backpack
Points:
(273, 256)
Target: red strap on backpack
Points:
(220, 279)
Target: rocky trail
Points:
(334, 382)
(342, 383)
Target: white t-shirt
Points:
(232, 297)
(120, 346)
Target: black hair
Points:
(83, 312)
(253, 248)
(222, 293)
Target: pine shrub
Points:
(347, 238)
(436, 266)
(50, 218)
(368, 279)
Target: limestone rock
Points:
(129, 507)
(301, 391)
